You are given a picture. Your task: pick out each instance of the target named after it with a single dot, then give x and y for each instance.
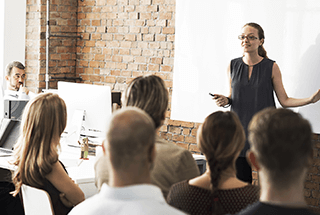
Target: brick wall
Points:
(121, 39)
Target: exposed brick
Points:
(178, 138)
(310, 185)
(190, 139)
(183, 145)
(193, 148)
(174, 129)
(311, 201)
(186, 131)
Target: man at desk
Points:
(15, 77)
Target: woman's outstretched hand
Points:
(221, 100)
(315, 97)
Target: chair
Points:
(36, 201)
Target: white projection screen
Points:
(206, 40)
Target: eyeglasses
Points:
(18, 75)
(251, 37)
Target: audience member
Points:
(281, 151)
(36, 153)
(218, 191)
(173, 163)
(130, 149)
(15, 77)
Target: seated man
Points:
(281, 151)
(173, 163)
(15, 76)
(129, 148)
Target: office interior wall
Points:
(122, 40)
(203, 52)
(62, 58)
(12, 34)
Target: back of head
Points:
(221, 138)
(281, 140)
(43, 121)
(13, 64)
(149, 94)
(130, 138)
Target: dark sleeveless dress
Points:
(58, 207)
(251, 96)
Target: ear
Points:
(103, 148)
(252, 159)
(261, 42)
(152, 154)
(7, 78)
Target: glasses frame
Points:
(249, 37)
(17, 76)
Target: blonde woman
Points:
(36, 153)
(217, 191)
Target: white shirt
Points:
(1, 103)
(136, 199)
(11, 95)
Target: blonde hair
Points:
(148, 93)
(36, 150)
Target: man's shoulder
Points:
(169, 147)
(106, 204)
(94, 205)
(260, 208)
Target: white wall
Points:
(12, 37)
(206, 41)
(12, 33)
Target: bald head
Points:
(130, 137)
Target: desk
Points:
(82, 171)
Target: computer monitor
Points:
(92, 101)
(9, 132)
(13, 108)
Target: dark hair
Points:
(261, 51)
(281, 140)
(148, 93)
(221, 138)
(13, 64)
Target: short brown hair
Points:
(149, 94)
(13, 64)
(281, 140)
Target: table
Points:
(82, 171)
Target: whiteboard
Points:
(206, 40)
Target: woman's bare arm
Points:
(282, 96)
(60, 180)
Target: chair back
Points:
(36, 201)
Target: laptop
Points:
(9, 133)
